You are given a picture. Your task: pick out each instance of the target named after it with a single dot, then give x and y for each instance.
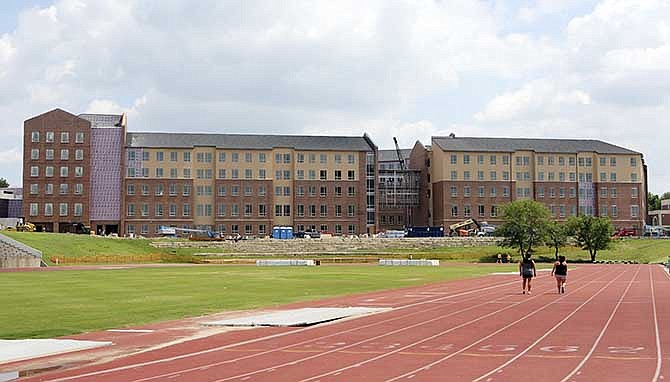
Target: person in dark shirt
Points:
(527, 271)
(560, 271)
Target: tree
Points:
(666, 195)
(557, 236)
(591, 233)
(4, 183)
(653, 201)
(524, 225)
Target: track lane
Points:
(192, 349)
(398, 357)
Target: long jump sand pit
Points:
(19, 350)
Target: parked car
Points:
(309, 234)
(625, 232)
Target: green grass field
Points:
(642, 250)
(49, 304)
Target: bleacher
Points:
(14, 254)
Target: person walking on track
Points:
(560, 271)
(527, 271)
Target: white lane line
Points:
(260, 339)
(426, 367)
(131, 330)
(418, 343)
(602, 332)
(659, 355)
(338, 349)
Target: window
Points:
(614, 210)
(480, 175)
(34, 189)
(262, 191)
(338, 158)
(35, 154)
(350, 175)
(323, 191)
(262, 211)
(48, 209)
(540, 160)
(130, 189)
(64, 171)
(467, 211)
(338, 210)
(481, 191)
(64, 189)
(63, 209)
(466, 191)
(130, 210)
(494, 211)
(351, 210)
(79, 154)
(613, 177)
(323, 158)
(454, 191)
(338, 191)
(633, 162)
(466, 158)
(186, 190)
(454, 159)
(64, 137)
(480, 210)
(493, 193)
(634, 211)
(235, 174)
(35, 137)
(247, 157)
(454, 211)
(466, 175)
(78, 189)
(159, 172)
(312, 210)
(561, 161)
(50, 137)
(351, 191)
(492, 159)
(633, 192)
(480, 159)
(34, 171)
(49, 154)
(323, 210)
(633, 177)
(506, 192)
(351, 159)
(79, 137)
(612, 163)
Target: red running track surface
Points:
(612, 324)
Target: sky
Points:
(411, 69)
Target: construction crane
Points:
(399, 153)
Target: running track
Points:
(612, 324)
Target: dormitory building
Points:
(89, 169)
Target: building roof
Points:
(541, 145)
(249, 141)
(392, 155)
(103, 120)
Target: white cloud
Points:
(346, 67)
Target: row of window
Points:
(63, 189)
(391, 219)
(556, 211)
(248, 229)
(49, 171)
(280, 158)
(551, 176)
(481, 191)
(49, 137)
(64, 154)
(159, 172)
(247, 210)
(175, 189)
(551, 160)
(63, 209)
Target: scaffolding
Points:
(399, 188)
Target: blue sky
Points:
(592, 69)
